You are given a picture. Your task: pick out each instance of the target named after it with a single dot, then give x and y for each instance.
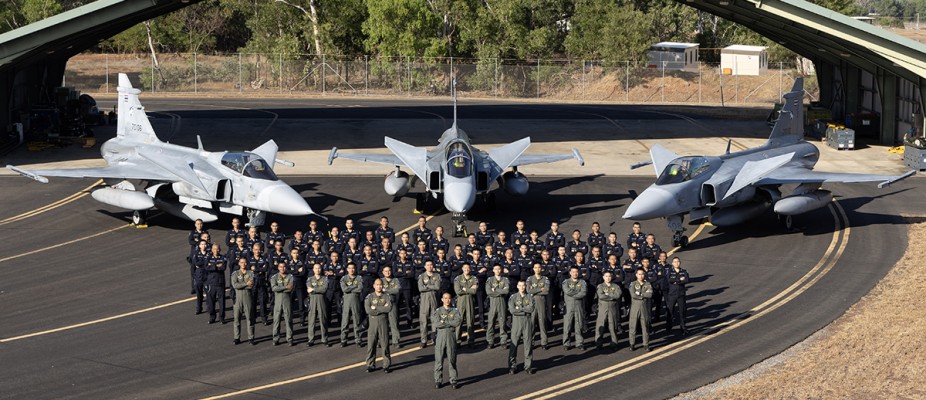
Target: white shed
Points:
(744, 60)
(673, 56)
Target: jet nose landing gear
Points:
(459, 224)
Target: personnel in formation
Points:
(428, 285)
(465, 286)
(609, 300)
(446, 321)
(539, 288)
(243, 283)
(521, 305)
(574, 291)
(351, 286)
(282, 286)
(317, 286)
(392, 287)
(378, 305)
(198, 263)
(497, 290)
(641, 291)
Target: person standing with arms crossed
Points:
(243, 283)
(317, 286)
(428, 285)
(378, 305)
(539, 288)
(497, 290)
(446, 321)
(641, 291)
(574, 291)
(521, 305)
(392, 287)
(282, 286)
(609, 300)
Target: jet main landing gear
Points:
(140, 219)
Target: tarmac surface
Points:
(95, 308)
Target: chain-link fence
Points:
(573, 80)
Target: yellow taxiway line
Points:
(52, 206)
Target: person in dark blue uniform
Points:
(444, 268)
(660, 285)
(483, 236)
(334, 269)
(404, 243)
(458, 259)
(200, 263)
(501, 244)
(525, 265)
(260, 267)
(562, 262)
(421, 232)
(519, 235)
(253, 238)
(234, 233)
(675, 298)
(349, 232)
(419, 257)
(548, 270)
(576, 245)
(314, 233)
(368, 268)
(596, 238)
(336, 242)
(215, 284)
(193, 241)
(651, 250)
(471, 245)
(274, 235)
(596, 265)
(315, 255)
(404, 271)
(534, 245)
(636, 238)
(385, 254)
(554, 238)
(438, 241)
(511, 268)
(370, 239)
(612, 246)
(300, 243)
(482, 268)
(385, 231)
(296, 267)
(629, 267)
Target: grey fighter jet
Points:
(185, 182)
(455, 170)
(737, 187)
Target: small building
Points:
(673, 56)
(744, 60)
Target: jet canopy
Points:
(684, 169)
(250, 165)
(459, 160)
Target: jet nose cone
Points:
(284, 200)
(652, 203)
(459, 196)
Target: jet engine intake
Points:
(396, 183)
(515, 183)
(802, 203)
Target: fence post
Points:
(280, 71)
(324, 66)
(664, 81)
(195, 88)
(408, 75)
(720, 75)
(538, 78)
(107, 72)
(495, 83)
(153, 89)
(366, 74)
(699, 82)
(240, 86)
(627, 83)
(780, 71)
(584, 83)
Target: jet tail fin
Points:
(790, 125)
(132, 122)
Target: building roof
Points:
(674, 45)
(740, 48)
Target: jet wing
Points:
(788, 175)
(121, 171)
(412, 157)
(390, 159)
(508, 154)
(178, 168)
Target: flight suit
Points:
(481, 270)
(215, 287)
(446, 322)
(463, 286)
(651, 252)
(243, 301)
(318, 307)
(312, 236)
(445, 269)
(574, 292)
(539, 288)
(233, 255)
(609, 299)
(497, 290)
(350, 311)
(282, 287)
(333, 272)
(519, 237)
(640, 295)
(675, 298)
(428, 285)
(272, 237)
(392, 287)
(378, 308)
(521, 308)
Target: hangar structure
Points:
(860, 68)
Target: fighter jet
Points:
(737, 187)
(186, 182)
(455, 170)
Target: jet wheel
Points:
(139, 218)
(787, 221)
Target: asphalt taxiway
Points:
(95, 308)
